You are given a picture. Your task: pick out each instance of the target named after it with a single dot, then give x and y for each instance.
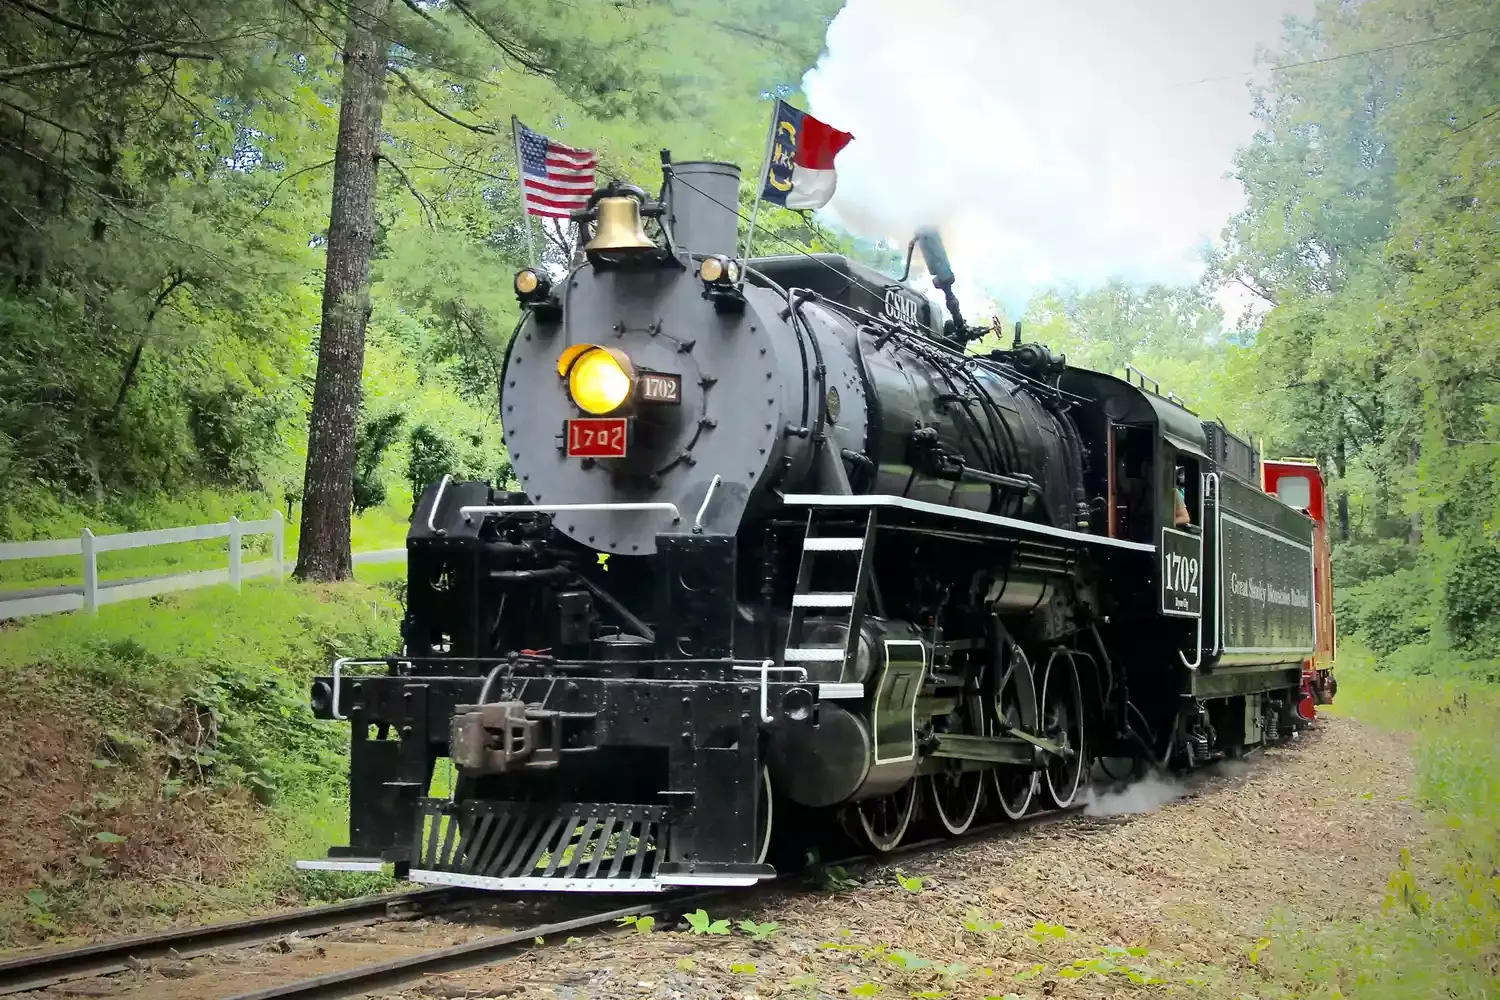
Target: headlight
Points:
(600, 379)
(712, 268)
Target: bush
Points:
(1358, 561)
(376, 435)
(1388, 612)
(435, 454)
(1471, 597)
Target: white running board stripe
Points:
(833, 544)
(841, 691)
(822, 600)
(824, 655)
(533, 883)
(341, 866)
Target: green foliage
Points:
(911, 883)
(975, 922)
(1471, 596)
(1388, 612)
(163, 224)
(642, 925)
(701, 923)
(758, 932)
(376, 435)
(1372, 225)
(1363, 559)
(237, 666)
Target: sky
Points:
(1067, 141)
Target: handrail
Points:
(437, 499)
(568, 508)
(703, 508)
(1209, 478)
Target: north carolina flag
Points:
(800, 174)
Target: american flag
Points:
(557, 180)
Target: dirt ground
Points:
(1167, 901)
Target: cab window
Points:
(1295, 491)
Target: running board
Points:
(661, 883)
(343, 865)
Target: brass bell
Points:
(618, 226)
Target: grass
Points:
(380, 528)
(1438, 930)
(175, 769)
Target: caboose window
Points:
(1295, 491)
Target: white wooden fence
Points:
(92, 592)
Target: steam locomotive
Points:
(783, 544)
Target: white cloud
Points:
(1066, 141)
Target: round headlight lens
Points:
(600, 381)
(526, 281)
(732, 272)
(712, 268)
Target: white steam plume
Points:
(1052, 142)
(1147, 795)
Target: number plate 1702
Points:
(597, 437)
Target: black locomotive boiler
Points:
(780, 544)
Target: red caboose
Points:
(1298, 483)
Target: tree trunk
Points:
(1341, 465)
(1414, 532)
(328, 488)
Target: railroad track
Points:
(34, 972)
(489, 950)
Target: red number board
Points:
(596, 437)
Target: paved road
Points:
(75, 588)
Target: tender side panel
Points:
(1265, 577)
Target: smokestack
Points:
(703, 199)
(936, 257)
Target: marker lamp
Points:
(529, 285)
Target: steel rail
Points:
(37, 971)
(490, 950)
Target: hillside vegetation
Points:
(164, 760)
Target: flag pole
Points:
(515, 136)
(760, 185)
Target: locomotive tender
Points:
(781, 545)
